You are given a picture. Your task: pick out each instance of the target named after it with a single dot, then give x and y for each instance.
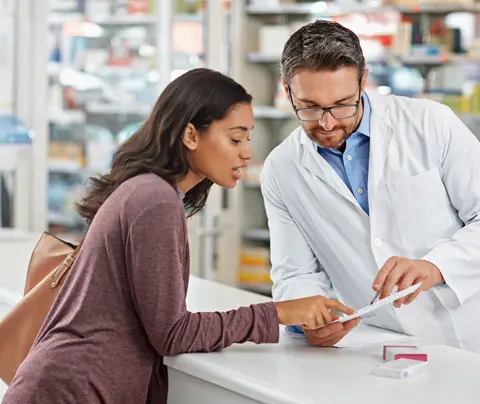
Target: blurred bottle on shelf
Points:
(254, 269)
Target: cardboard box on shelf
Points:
(476, 98)
(401, 2)
(270, 3)
(402, 41)
(254, 268)
(66, 151)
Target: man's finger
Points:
(392, 279)
(405, 282)
(347, 326)
(338, 336)
(412, 296)
(326, 331)
(331, 334)
(317, 340)
(333, 339)
(383, 273)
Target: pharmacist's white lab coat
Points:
(424, 199)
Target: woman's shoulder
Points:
(148, 181)
(145, 191)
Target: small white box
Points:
(400, 368)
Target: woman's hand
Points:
(310, 312)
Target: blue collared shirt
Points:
(352, 164)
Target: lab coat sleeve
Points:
(295, 271)
(458, 258)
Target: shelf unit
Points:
(432, 60)
(323, 9)
(259, 73)
(178, 49)
(58, 19)
(256, 235)
(125, 58)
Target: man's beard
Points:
(317, 134)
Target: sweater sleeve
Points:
(155, 250)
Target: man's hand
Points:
(404, 273)
(331, 334)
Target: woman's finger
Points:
(336, 305)
(327, 316)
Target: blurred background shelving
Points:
(106, 61)
(103, 81)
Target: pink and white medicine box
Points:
(395, 352)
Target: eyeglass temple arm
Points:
(291, 98)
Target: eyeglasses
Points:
(311, 114)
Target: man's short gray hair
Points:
(321, 45)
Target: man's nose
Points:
(327, 121)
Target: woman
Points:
(122, 308)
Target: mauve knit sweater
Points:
(122, 309)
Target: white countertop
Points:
(16, 248)
(293, 372)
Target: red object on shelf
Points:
(385, 40)
(137, 6)
(69, 95)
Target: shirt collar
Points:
(180, 193)
(364, 127)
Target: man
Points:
(373, 193)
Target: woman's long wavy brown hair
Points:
(200, 97)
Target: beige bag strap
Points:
(77, 249)
(65, 266)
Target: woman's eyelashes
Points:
(237, 141)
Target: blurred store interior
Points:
(79, 76)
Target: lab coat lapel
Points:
(381, 134)
(316, 164)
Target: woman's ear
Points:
(190, 137)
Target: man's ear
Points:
(190, 137)
(364, 80)
(285, 87)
